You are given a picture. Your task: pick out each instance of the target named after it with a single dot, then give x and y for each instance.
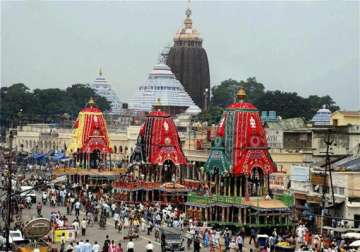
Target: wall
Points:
(284, 160)
(297, 140)
(343, 119)
(274, 138)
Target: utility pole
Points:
(328, 141)
(9, 189)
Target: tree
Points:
(18, 104)
(212, 115)
(315, 103)
(80, 95)
(50, 103)
(225, 93)
(286, 104)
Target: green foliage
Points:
(315, 102)
(212, 115)
(225, 93)
(286, 104)
(45, 105)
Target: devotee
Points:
(130, 246)
(112, 247)
(70, 247)
(87, 246)
(240, 242)
(149, 247)
(83, 227)
(96, 247)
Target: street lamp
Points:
(206, 94)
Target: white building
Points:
(103, 88)
(162, 84)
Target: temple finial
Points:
(100, 71)
(91, 102)
(241, 94)
(188, 9)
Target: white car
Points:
(14, 236)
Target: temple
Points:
(162, 84)
(188, 61)
(103, 88)
(237, 173)
(157, 164)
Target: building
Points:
(162, 86)
(47, 138)
(188, 61)
(104, 89)
(344, 118)
(346, 141)
(313, 190)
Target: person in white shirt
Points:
(70, 247)
(130, 246)
(77, 208)
(149, 247)
(87, 246)
(77, 247)
(76, 226)
(82, 246)
(83, 227)
(96, 247)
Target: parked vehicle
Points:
(27, 191)
(171, 240)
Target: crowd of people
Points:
(85, 208)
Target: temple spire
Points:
(188, 20)
(241, 94)
(188, 9)
(100, 72)
(91, 102)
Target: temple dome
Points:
(158, 141)
(187, 32)
(90, 131)
(103, 88)
(161, 84)
(240, 145)
(322, 117)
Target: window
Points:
(341, 190)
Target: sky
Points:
(308, 47)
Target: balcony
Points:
(287, 199)
(144, 185)
(318, 179)
(214, 199)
